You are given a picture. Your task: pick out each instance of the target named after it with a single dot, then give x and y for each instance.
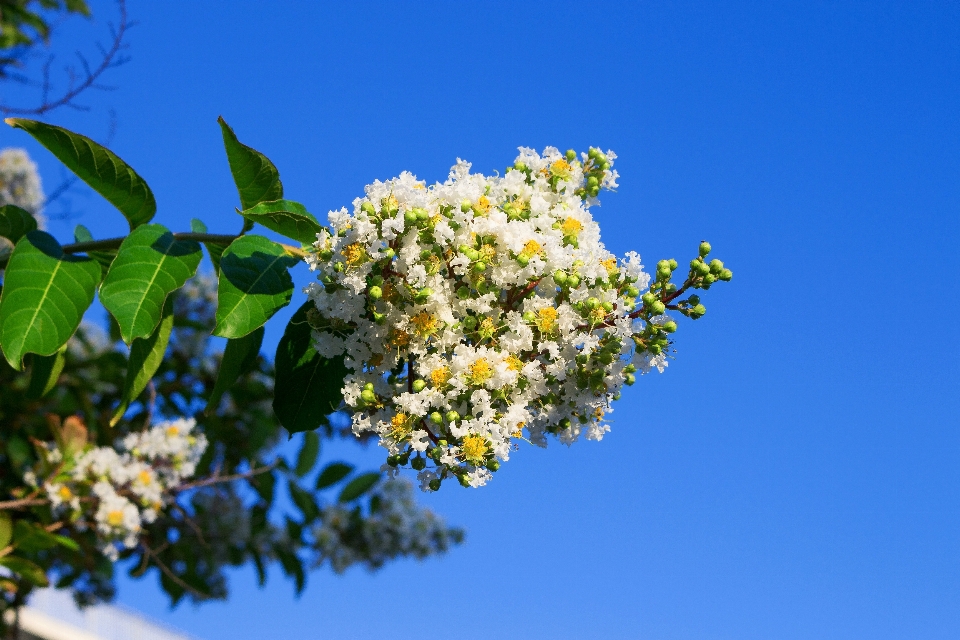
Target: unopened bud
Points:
(418, 386)
(368, 396)
(376, 292)
(452, 416)
(705, 248)
(435, 484)
(436, 418)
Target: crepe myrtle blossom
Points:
(485, 310)
(116, 490)
(20, 183)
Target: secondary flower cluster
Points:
(483, 310)
(20, 182)
(116, 491)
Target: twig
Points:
(218, 479)
(170, 574)
(110, 58)
(211, 238)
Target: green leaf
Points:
(26, 570)
(264, 484)
(6, 529)
(308, 453)
(254, 285)
(308, 386)
(32, 538)
(15, 222)
(304, 501)
(99, 167)
(256, 178)
(146, 354)
(286, 217)
(333, 473)
(358, 486)
(239, 357)
(104, 257)
(215, 250)
(150, 265)
(44, 373)
(44, 297)
(68, 543)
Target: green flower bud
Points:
(529, 316)
(582, 359)
(594, 191)
(424, 294)
(629, 379)
(388, 253)
(368, 396)
(470, 322)
(523, 260)
(368, 208)
(464, 480)
(376, 292)
(393, 461)
(604, 165)
(670, 326)
(655, 349)
(404, 457)
(479, 267)
(607, 306)
(716, 266)
(726, 275)
(571, 155)
(559, 277)
(379, 318)
(709, 278)
(592, 181)
(592, 152)
(520, 166)
(493, 464)
(630, 368)
(648, 298)
(435, 484)
(573, 281)
(632, 292)
(592, 303)
(673, 263)
(418, 385)
(472, 254)
(421, 214)
(664, 273)
(705, 248)
(339, 267)
(463, 293)
(605, 359)
(452, 416)
(699, 310)
(418, 463)
(694, 299)
(465, 205)
(564, 424)
(436, 418)
(369, 385)
(410, 217)
(663, 264)
(657, 307)
(325, 254)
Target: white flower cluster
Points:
(20, 183)
(480, 311)
(116, 491)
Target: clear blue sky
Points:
(796, 471)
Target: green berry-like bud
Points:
(604, 165)
(435, 484)
(559, 277)
(470, 322)
(663, 264)
(368, 208)
(376, 292)
(421, 214)
(664, 273)
(694, 299)
(657, 307)
(493, 464)
(699, 310)
(705, 248)
(464, 480)
(418, 385)
(592, 152)
(369, 385)
(673, 263)
(594, 191)
(379, 318)
(607, 306)
(571, 155)
(629, 379)
(592, 303)
(648, 298)
(393, 461)
(709, 278)
(669, 327)
(339, 267)
(630, 368)
(368, 396)
(418, 463)
(582, 359)
(465, 205)
(520, 166)
(605, 358)
(388, 253)
(452, 416)
(716, 266)
(410, 217)
(573, 281)
(726, 275)
(424, 293)
(479, 267)
(463, 293)
(523, 260)
(592, 182)
(632, 292)
(436, 418)
(529, 316)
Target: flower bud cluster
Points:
(116, 490)
(482, 311)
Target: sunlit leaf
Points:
(256, 178)
(286, 217)
(15, 222)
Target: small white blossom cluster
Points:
(20, 183)
(117, 490)
(481, 311)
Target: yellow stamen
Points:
(400, 427)
(597, 315)
(400, 338)
(145, 477)
(610, 264)
(514, 363)
(531, 249)
(571, 226)
(482, 206)
(560, 168)
(474, 449)
(354, 253)
(172, 432)
(65, 493)
(424, 323)
(519, 432)
(480, 371)
(115, 518)
(440, 376)
(547, 319)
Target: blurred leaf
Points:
(254, 285)
(215, 250)
(308, 453)
(264, 484)
(45, 294)
(304, 501)
(256, 178)
(32, 538)
(286, 217)
(15, 222)
(333, 473)
(358, 486)
(146, 355)
(150, 265)
(44, 373)
(26, 570)
(239, 357)
(6, 529)
(308, 386)
(99, 167)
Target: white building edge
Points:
(52, 615)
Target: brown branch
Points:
(170, 574)
(210, 238)
(22, 503)
(111, 58)
(218, 479)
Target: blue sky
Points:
(796, 471)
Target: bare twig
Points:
(170, 574)
(218, 479)
(77, 84)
